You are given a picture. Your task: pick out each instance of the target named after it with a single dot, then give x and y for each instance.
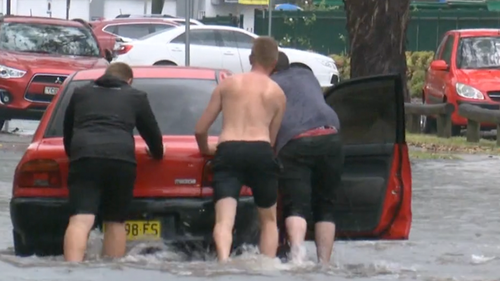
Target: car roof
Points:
(136, 20)
(473, 32)
(155, 72)
(193, 27)
(29, 19)
(144, 16)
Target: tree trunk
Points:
(377, 37)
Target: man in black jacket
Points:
(99, 141)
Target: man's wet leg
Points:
(296, 228)
(324, 237)
(268, 245)
(76, 237)
(225, 213)
(115, 240)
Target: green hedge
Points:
(417, 62)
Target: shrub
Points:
(417, 64)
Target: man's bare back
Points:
(252, 106)
(250, 102)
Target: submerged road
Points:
(455, 236)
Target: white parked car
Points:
(214, 46)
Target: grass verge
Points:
(425, 155)
(433, 144)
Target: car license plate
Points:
(142, 230)
(50, 90)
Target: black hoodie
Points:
(100, 119)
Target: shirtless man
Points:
(252, 106)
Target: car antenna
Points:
(31, 13)
(120, 11)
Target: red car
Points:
(173, 199)
(36, 56)
(107, 31)
(466, 69)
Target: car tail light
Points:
(39, 173)
(123, 49)
(208, 175)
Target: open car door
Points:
(374, 200)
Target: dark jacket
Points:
(306, 108)
(100, 119)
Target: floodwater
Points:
(455, 236)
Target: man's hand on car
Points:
(212, 147)
(149, 152)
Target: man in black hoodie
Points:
(99, 141)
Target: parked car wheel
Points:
(164, 63)
(428, 125)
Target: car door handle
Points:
(229, 53)
(176, 50)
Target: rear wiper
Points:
(36, 51)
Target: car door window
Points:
(447, 49)
(243, 40)
(228, 39)
(133, 31)
(111, 29)
(198, 37)
(159, 27)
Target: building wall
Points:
(85, 9)
(78, 9)
(206, 8)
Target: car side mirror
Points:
(108, 55)
(439, 65)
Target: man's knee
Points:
(267, 215)
(84, 222)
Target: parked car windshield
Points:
(479, 53)
(48, 39)
(176, 103)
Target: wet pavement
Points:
(455, 236)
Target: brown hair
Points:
(120, 70)
(264, 51)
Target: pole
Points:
(68, 6)
(187, 48)
(270, 15)
(8, 8)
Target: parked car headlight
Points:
(327, 63)
(469, 92)
(9, 72)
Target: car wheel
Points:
(164, 63)
(32, 246)
(456, 131)
(428, 125)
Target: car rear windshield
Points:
(479, 53)
(48, 39)
(176, 103)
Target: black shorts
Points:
(101, 187)
(312, 173)
(250, 163)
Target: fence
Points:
(475, 117)
(229, 20)
(325, 32)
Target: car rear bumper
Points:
(189, 219)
